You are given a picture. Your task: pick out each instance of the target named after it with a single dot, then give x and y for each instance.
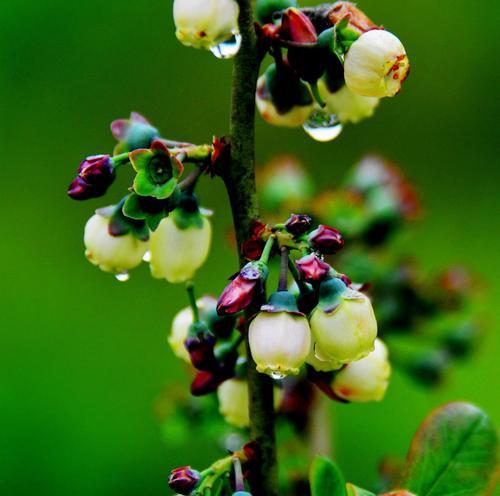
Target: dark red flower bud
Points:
(201, 352)
(183, 480)
(297, 27)
(252, 247)
(95, 176)
(298, 224)
(327, 240)
(243, 289)
(312, 268)
(346, 280)
(206, 382)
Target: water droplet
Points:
(323, 126)
(227, 49)
(147, 257)
(277, 376)
(122, 276)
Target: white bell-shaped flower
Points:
(177, 253)
(116, 254)
(205, 23)
(279, 337)
(365, 380)
(347, 105)
(376, 64)
(343, 324)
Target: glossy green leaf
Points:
(353, 490)
(453, 453)
(326, 478)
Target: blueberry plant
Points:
(261, 348)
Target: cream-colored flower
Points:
(233, 402)
(346, 333)
(182, 321)
(295, 117)
(348, 106)
(279, 342)
(320, 365)
(176, 254)
(367, 379)
(376, 64)
(115, 254)
(205, 23)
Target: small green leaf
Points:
(326, 478)
(353, 490)
(454, 453)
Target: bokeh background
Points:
(83, 357)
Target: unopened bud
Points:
(95, 176)
(298, 224)
(312, 268)
(326, 240)
(183, 480)
(297, 27)
(243, 289)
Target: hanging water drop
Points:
(147, 257)
(277, 376)
(122, 276)
(323, 126)
(227, 49)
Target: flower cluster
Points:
(159, 220)
(337, 66)
(332, 64)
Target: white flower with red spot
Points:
(376, 64)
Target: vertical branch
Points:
(239, 180)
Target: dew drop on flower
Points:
(147, 257)
(323, 126)
(277, 376)
(227, 49)
(122, 276)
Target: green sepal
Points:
(330, 294)
(120, 225)
(187, 214)
(282, 301)
(325, 478)
(149, 209)
(264, 9)
(198, 329)
(227, 347)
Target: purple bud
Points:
(95, 176)
(183, 480)
(312, 268)
(201, 352)
(207, 382)
(326, 240)
(237, 296)
(298, 224)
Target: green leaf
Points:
(326, 478)
(454, 453)
(353, 490)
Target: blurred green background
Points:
(83, 356)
